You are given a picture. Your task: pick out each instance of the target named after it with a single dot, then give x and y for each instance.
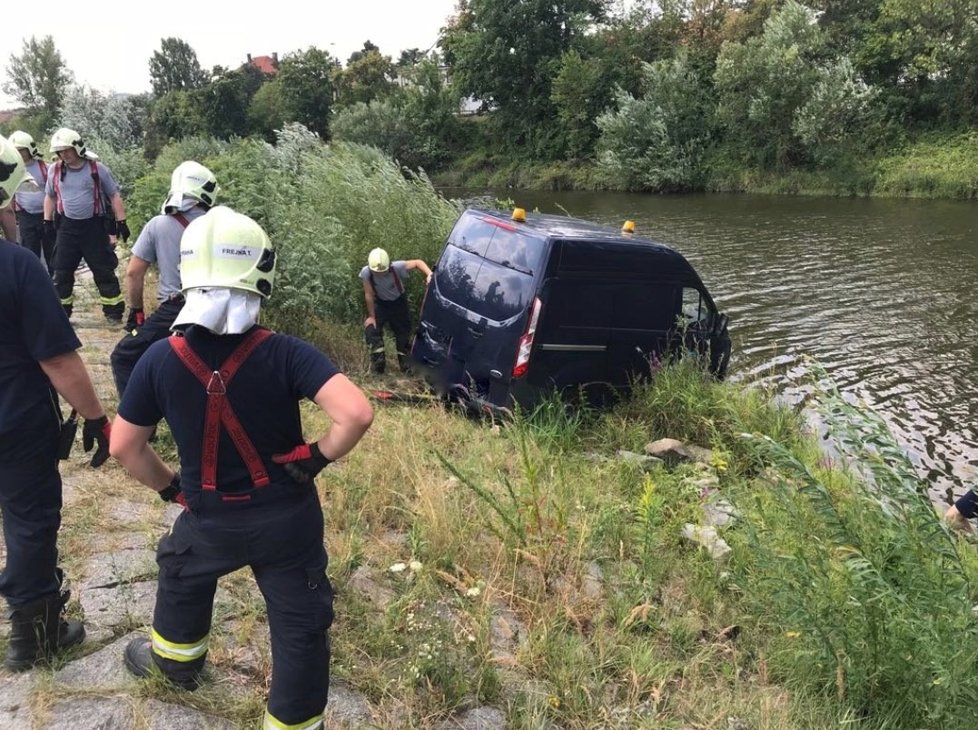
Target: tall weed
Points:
(868, 593)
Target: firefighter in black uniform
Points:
(387, 305)
(37, 359)
(81, 208)
(229, 391)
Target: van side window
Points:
(694, 308)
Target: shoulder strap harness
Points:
(60, 170)
(219, 412)
(181, 219)
(397, 281)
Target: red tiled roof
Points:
(266, 64)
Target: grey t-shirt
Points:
(32, 202)
(159, 243)
(385, 286)
(77, 195)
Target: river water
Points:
(880, 292)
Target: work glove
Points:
(303, 463)
(172, 492)
(50, 233)
(122, 230)
(96, 433)
(136, 319)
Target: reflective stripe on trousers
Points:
(178, 652)
(271, 723)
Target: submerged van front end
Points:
(519, 309)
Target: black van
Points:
(524, 304)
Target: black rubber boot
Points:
(141, 661)
(38, 630)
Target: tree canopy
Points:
(175, 68)
(38, 77)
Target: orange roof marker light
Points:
(628, 227)
(519, 215)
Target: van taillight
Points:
(526, 341)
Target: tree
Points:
(106, 117)
(368, 47)
(836, 122)
(410, 57)
(658, 141)
(305, 82)
(922, 55)
(173, 116)
(175, 68)
(506, 52)
(225, 101)
(267, 112)
(762, 83)
(38, 77)
(368, 77)
(580, 93)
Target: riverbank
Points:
(548, 574)
(938, 167)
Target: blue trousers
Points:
(283, 546)
(30, 502)
(131, 347)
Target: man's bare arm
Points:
(69, 377)
(135, 278)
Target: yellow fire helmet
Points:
(65, 138)
(23, 141)
(191, 183)
(378, 260)
(228, 250)
(12, 171)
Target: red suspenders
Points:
(219, 412)
(96, 187)
(181, 219)
(397, 282)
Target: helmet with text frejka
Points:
(191, 181)
(225, 249)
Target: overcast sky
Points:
(107, 45)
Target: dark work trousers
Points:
(87, 239)
(283, 546)
(396, 316)
(131, 347)
(30, 233)
(30, 501)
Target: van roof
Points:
(562, 226)
(639, 257)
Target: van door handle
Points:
(476, 333)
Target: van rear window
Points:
(484, 287)
(498, 242)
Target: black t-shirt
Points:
(33, 327)
(264, 394)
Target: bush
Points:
(325, 207)
(867, 596)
